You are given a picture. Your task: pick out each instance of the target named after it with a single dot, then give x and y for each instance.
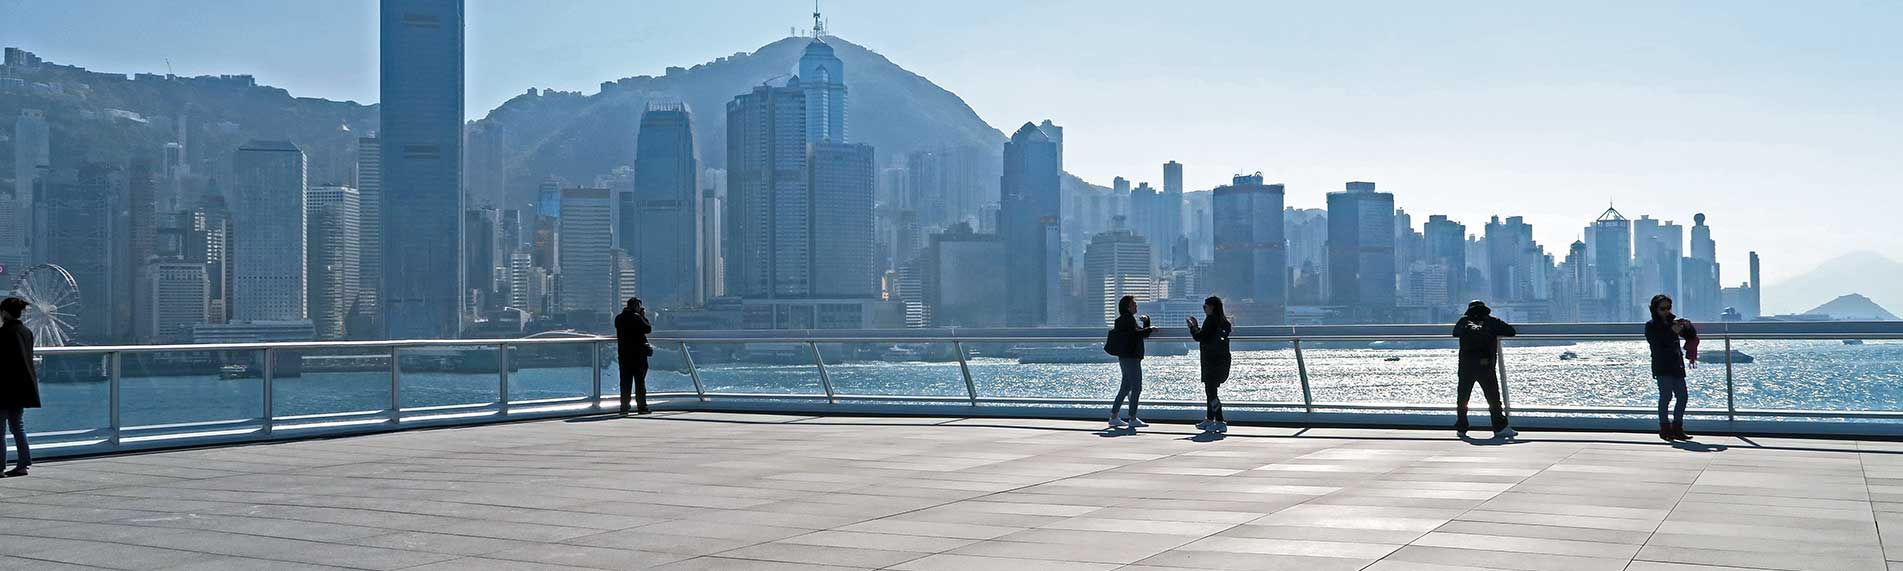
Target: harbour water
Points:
(1813, 375)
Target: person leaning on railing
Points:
(1480, 332)
(19, 385)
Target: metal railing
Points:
(264, 360)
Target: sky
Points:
(1779, 120)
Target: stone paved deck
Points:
(727, 491)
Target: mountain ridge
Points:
(1864, 272)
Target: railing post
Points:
(1301, 368)
(595, 402)
(1500, 370)
(112, 398)
(825, 381)
(971, 389)
(502, 387)
(270, 373)
(693, 372)
(1731, 393)
(396, 386)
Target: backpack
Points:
(1113, 345)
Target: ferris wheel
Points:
(53, 316)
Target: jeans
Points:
(1671, 386)
(634, 381)
(15, 419)
(1480, 373)
(1132, 387)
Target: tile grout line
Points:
(1875, 522)
(1668, 513)
(1477, 506)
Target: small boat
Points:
(1736, 357)
(1392, 359)
(901, 353)
(1568, 356)
(1853, 341)
(234, 371)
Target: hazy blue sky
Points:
(1781, 120)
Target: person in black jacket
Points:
(631, 345)
(1127, 336)
(1662, 333)
(1212, 341)
(19, 384)
(1480, 332)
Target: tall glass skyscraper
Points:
(1361, 251)
(1029, 225)
(1251, 268)
(660, 220)
(422, 117)
(269, 271)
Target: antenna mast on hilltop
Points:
(819, 26)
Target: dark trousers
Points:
(15, 419)
(1132, 386)
(1481, 373)
(634, 381)
(1214, 373)
(1671, 387)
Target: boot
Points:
(1678, 431)
(1665, 432)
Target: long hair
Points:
(1127, 305)
(1215, 305)
(1653, 307)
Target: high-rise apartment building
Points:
(585, 252)
(1116, 264)
(421, 100)
(269, 255)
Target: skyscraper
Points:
(1700, 275)
(32, 157)
(768, 216)
(1116, 264)
(585, 252)
(1172, 218)
(1251, 269)
(1446, 246)
(713, 205)
(660, 220)
(421, 83)
(822, 77)
(370, 230)
(1609, 247)
(335, 230)
(140, 210)
(842, 251)
(1361, 251)
(75, 239)
(269, 258)
(963, 279)
(1029, 225)
(480, 237)
(179, 299)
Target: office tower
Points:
(908, 289)
(78, 236)
(335, 219)
(1146, 215)
(1056, 135)
(1199, 214)
(1029, 225)
(823, 80)
(268, 262)
(1445, 245)
(208, 241)
(1754, 304)
(1515, 271)
(625, 281)
(369, 232)
(508, 234)
(712, 209)
(1251, 267)
(1657, 249)
(548, 197)
(1172, 215)
(485, 148)
(1609, 247)
(140, 212)
(768, 208)
(1361, 251)
(963, 279)
(179, 299)
(421, 83)
(842, 221)
(584, 252)
(480, 237)
(1307, 231)
(1116, 264)
(1409, 245)
(660, 220)
(32, 157)
(1699, 275)
(521, 270)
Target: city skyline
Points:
(1663, 114)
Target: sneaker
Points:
(1220, 426)
(1508, 432)
(1117, 422)
(1205, 424)
(1137, 423)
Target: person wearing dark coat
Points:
(631, 346)
(19, 384)
(1126, 336)
(1662, 334)
(1212, 347)
(1480, 332)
